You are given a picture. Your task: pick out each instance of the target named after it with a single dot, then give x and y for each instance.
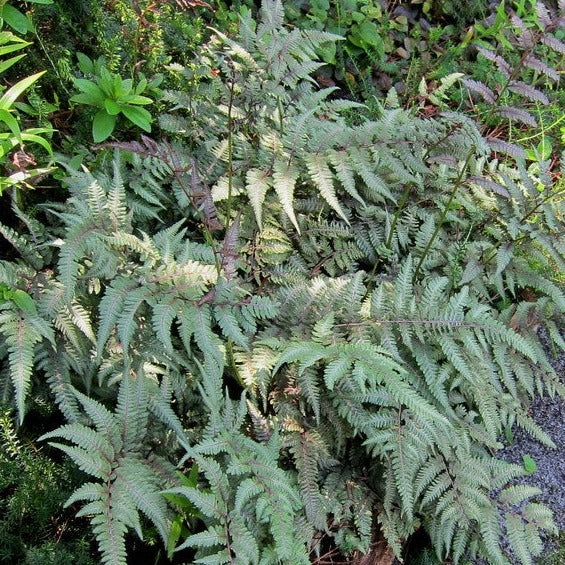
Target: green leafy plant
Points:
(530, 465)
(522, 56)
(19, 297)
(9, 44)
(12, 135)
(16, 19)
(462, 14)
(388, 44)
(114, 96)
(186, 512)
(366, 29)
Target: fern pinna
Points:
(334, 321)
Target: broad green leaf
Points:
(112, 107)
(125, 86)
(10, 42)
(23, 300)
(103, 126)
(7, 37)
(21, 176)
(139, 116)
(174, 535)
(545, 148)
(136, 99)
(94, 95)
(85, 63)
(106, 82)
(12, 94)
(369, 32)
(10, 121)
(6, 145)
(85, 99)
(141, 86)
(366, 34)
(32, 138)
(328, 53)
(530, 465)
(15, 19)
(190, 480)
(39, 131)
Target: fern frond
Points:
(285, 176)
(528, 91)
(23, 246)
(507, 148)
(257, 184)
(518, 114)
(21, 335)
(113, 453)
(537, 65)
(322, 178)
(480, 88)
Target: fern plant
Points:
(414, 254)
(335, 321)
(523, 54)
(253, 505)
(130, 479)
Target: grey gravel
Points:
(550, 474)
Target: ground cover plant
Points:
(283, 328)
(13, 136)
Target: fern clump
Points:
(522, 53)
(334, 322)
(113, 452)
